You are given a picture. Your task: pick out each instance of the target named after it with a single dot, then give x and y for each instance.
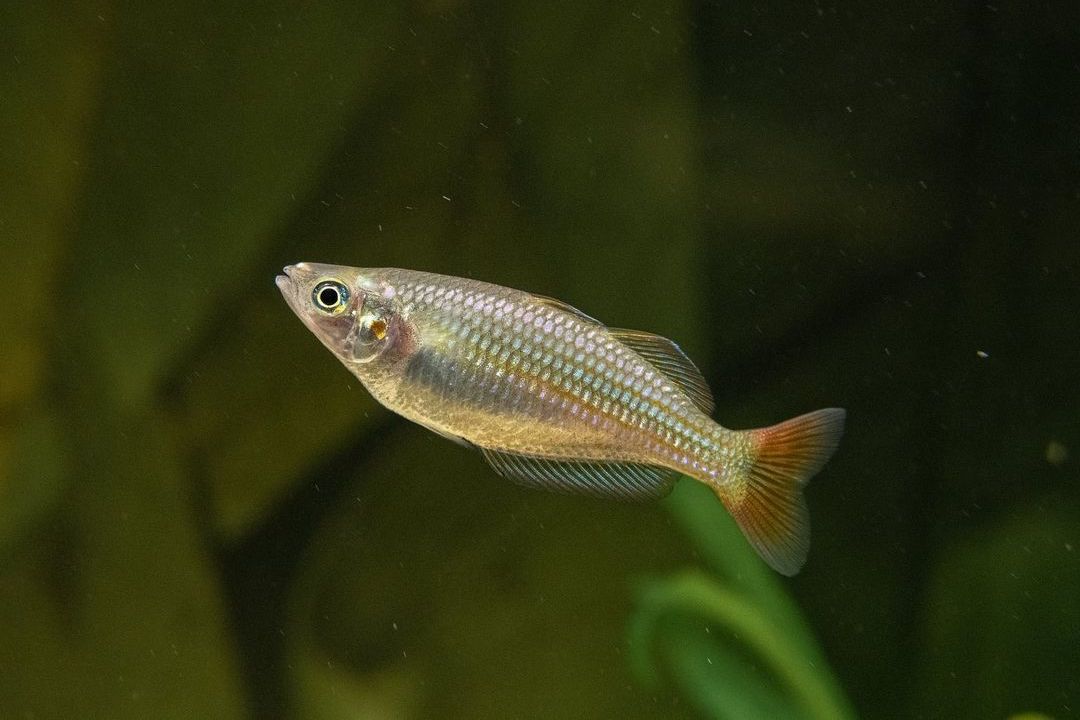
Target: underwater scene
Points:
(448, 359)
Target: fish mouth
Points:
(287, 274)
(288, 285)
(285, 281)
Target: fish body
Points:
(555, 399)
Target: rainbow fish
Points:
(554, 399)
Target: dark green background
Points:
(202, 514)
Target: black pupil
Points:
(329, 296)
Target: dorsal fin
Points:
(566, 308)
(628, 481)
(666, 356)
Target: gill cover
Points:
(377, 328)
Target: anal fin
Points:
(627, 481)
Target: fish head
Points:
(351, 310)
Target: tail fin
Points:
(770, 507)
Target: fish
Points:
(554, 399)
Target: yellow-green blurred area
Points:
(870, 205)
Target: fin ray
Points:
(671, 361)
(628, 481)
(771, 510)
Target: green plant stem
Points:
(694, 592)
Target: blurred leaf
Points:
(118, 610)
(797, 669)
(329, 691)
(49, 77)
(718, 680)
(269, 380)
(213, 120)
(33, 472)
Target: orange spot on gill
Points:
(378, 329)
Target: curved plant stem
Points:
(692, 592)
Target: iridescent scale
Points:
(517, 373)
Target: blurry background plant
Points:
(763, 660)
(203, 515)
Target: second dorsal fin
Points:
(666, 356)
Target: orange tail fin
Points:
(770, 507)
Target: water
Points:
(203, 515)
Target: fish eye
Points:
(330, 296)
